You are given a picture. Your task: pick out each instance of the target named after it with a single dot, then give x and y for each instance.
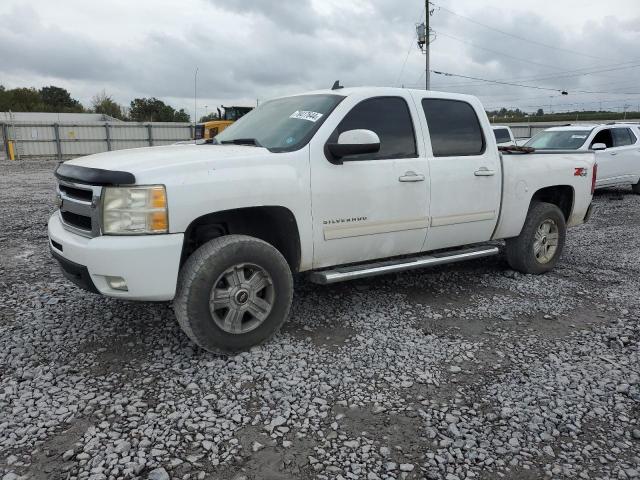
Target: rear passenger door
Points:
(465, 174)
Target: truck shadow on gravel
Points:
(540, 324)
(47, 463)
(270, 460)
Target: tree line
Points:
(508, 115)
(59, 100)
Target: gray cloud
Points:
(298, 16)
(248, 49)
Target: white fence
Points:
(65, 140)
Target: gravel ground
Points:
(467, 371)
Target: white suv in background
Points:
(617, 147)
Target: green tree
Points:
(56, 99)
(22, 100)
(208, 118)
(181, 116)
(103, 103)
(154, 110)
(540, 112)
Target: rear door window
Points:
(454, 128)
(621, 137)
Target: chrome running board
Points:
(341, 274)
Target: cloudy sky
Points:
(255, 49)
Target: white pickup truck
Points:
(616, 146)
(342, 184)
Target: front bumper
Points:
(148, 263)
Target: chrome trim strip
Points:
(362, 271)
(464, 218)
(348, 230)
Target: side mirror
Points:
(598, 146)
(354, 142)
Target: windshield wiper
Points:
(242, 141)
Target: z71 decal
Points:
(580, 172)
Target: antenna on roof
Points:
(336, 85)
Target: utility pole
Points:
(195, 97)
(426, 56)
(424, 39)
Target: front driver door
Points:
(374, 205)
(626, 155)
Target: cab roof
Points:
(569, 128)
(590, 126)
(387, 91)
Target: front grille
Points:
(79, 208)
(75, 220)
(76, 193)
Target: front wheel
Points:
(234, 292)
(538, 247)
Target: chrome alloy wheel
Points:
(242, 298)
(545, 243)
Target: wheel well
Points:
(275, 225)
(559, 195)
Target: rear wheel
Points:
(234, 292)
(538, 247)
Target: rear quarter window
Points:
(502, 135)
(454, 128)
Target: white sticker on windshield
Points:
(578, 136)
(306, 115)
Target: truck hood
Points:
(140, 161)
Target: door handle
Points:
(411, 176)
(484, 172)
(613, 153)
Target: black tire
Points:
(636, 188)
(205, 267)
(520, 251)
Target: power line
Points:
(566, 74)
(592, 102)
(447, 74)
(411, 46)
(498, 82)
(535, 42)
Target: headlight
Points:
(134, 210)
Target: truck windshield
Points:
(559, 140)
(281, 125)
